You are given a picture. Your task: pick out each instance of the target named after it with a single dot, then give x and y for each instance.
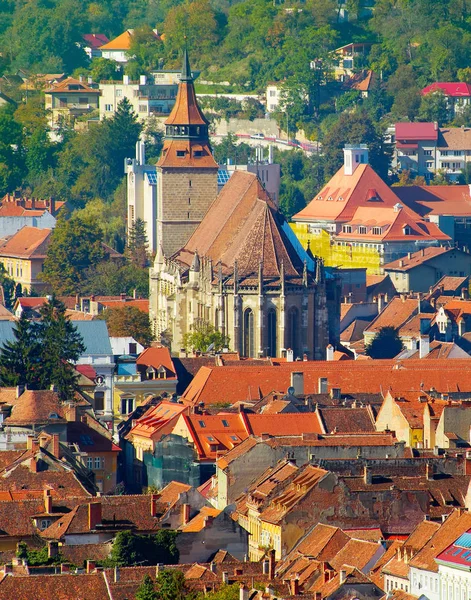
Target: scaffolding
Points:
(336, 255)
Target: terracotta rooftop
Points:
(36, 407)
(450, 284)
(199, 521)
(60, 587)
(28, 242)
(343, 194)
(454, 200)
(156, 358)
(243, 225)
(395, 314)
(419, 258)
(95, 40)
(71, 85)
(158, 420)
(347, 420)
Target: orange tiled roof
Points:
(199, 521)
(395, 314)
(122, 42)
(347, 420)
(157, 421)
(156, 358)
(243, 225)
(452, 200)
(71, 85)
(343, 194)
(28, 242)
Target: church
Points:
(231, 259)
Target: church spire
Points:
(186, 141)
(186, 70)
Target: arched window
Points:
(293, 330)
(272, 347)
(249, 345)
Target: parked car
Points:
(257, 136)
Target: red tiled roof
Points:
(36, 407)
(60, 587)
(95, 40)
(395, 314)
(142, 305)
(347, 420)
(419, 258)
(28, 242)
(233, 384)
(453, 89)
(445, 200)
(71, 85)
(343, 194)
(88, 439)
(158, 420)
(416, 131)
(156, 358)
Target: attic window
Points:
(330, 198)
(377, 230)
(347, 229)
(181, 153)
(198, 153)
(406, 230)
(362, 229)
(210, 438)
(234, 438)
(319, 197)
(341, 198)
(53, 415)
(225, 423)
(202, 424)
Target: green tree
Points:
(433, 107)
(291, 199)
(129, 320)
(385, 344)
(145, 52)
(356, 128)
(171, 585)
(12, 167)
(76, 245)
(203, 337)
(133, 549)
(226, 592)
(112, 278)
(146, 590)
(137, 249)
(104, 69)
(230, 149)
(61, 344)
(20, 359)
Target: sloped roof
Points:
(157, 357)
(395, 314)
(455, 138)
(454, 200)
(199, 521)
(343, 194)
(454, 89)
(157, 419)
(416, 131)
(28, 242)
(347, 420)
(36, 407)
(354, 331)
(95, 336)
(122, 42)
(61, 587)
(243, 225)
(71, 85)
(95, 40)
(419, 258)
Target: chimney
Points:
(329, 352)
(424, 346)
(297, 382)
(294, 586)
(322, 383)
(52, 205)
(47, 502)
(185, 514)
(367, 475)
(464, 294)
(19, 390)
(72, 413)
(343, 575)
(125, 79)
(33, 465)
(461, 327)
(153, 504)
(142, 80)
(116, 574)
(52, 548)
(33, 203)
(401, 263)
(243, 592)
(354, 156)
(7, 568)
(272, 563)
(289, 355)
(429, 472)
(94, 515)
(91, 566)
(55, 450)
(380, 302)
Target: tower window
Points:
(181, 153)
(189, 200)
(188, 214)
(189, 183)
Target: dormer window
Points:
(181, 153)
(406, 230)
(362, 229)
(377, 230)
(347, 229)
(198, 153)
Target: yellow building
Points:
(404, 416)
(23, 256)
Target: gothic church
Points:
(231, 259)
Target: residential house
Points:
(273, 95)
(238, 468)
(349, 59)
(125, 346)
(70, 99)
(23, 254)
(457, 94)
(17, 199)
(419, 271)
(118, 48)
(357, 220)
(14, 216)
(404, 415)
(150, 95)
(92, 42)
(151, 373)
(445, 205)
(453, 568)
(416, 148)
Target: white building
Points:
(273, 95)
(125, 345)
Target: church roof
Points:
(244, 225)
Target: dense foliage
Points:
(40, 354)
(134, 549)
(385, 344)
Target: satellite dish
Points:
(291, 391)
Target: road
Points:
(269, 141)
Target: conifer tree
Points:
(20, 359)
(146, 591)
(138, 247)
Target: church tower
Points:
(186, 171)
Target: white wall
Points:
(120, 345)
(425, 583)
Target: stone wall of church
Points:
(184, 197)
